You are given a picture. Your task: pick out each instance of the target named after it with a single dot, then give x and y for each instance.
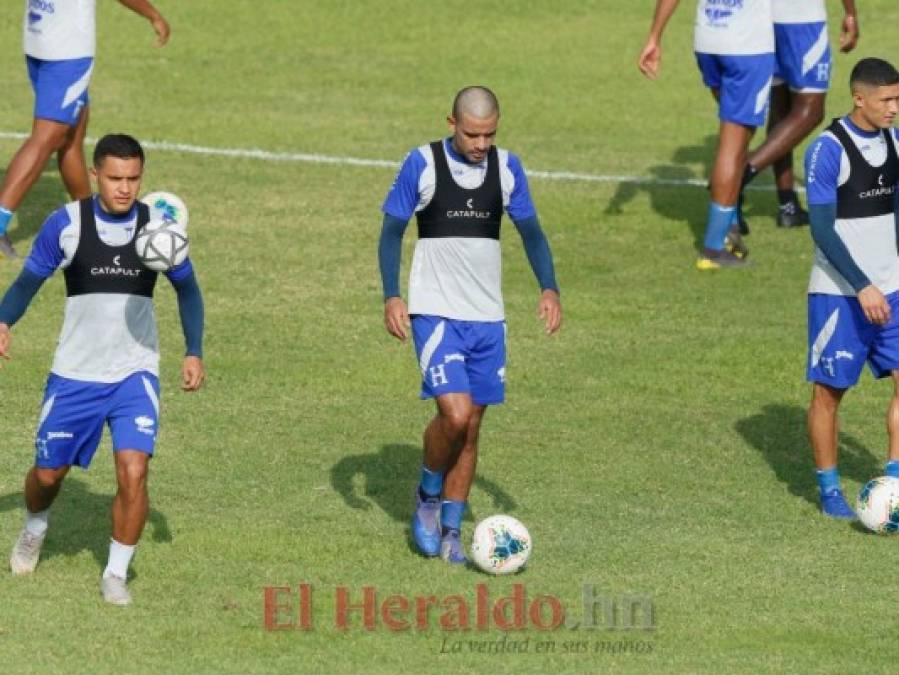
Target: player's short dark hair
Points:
(477, 99)
(873, 72)
(122, 146)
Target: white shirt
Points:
(798, 11)
(59, 30)
(734, 27)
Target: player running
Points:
(60, 42)
(458, 188)
(853, 296)
(734, 45)
(106, 367)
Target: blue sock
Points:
(892, 468)
(431, 482)
(451, 515)
(719, 222)
(5, 217)
(828, 480)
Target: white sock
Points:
(119, 559)
(36, 523)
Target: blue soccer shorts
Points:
(461, 357)
(60, 88)
(802, 57)
(841, 340)
(743, 84)
(73, 414)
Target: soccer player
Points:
(59, 49)
(106, 367)
(734, 44)
(801, 80)
(458, 187)
(851, 171)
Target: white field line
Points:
(312, 158)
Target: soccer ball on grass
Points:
(500, 545)
(878, 505)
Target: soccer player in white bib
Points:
(106, 367)
(801, 81)
(458, 188)
(734, 45)
(59, 42)
(852, 170)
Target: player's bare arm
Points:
(396, 318)
(550, 310)
(650, 60)
(849, 27)
(149, 12)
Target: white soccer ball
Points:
(165, 205)
(878, 505)
(161, 244)
(500, 545)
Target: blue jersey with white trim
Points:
(105, 337)
(456, 277)
(871, 241)
(58, 30)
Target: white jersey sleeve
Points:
(734, 27)
(59, 30)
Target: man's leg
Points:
(70, 158)
(805, 111)
(459, 477)
(724, 185)
(26, 166)
(892, 466)
(41, 487)
(823, 428)
(443, 440)
(129, 513)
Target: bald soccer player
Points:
(457, 188)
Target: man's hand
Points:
(650, 59)
(192, 373)
(5, 338)
(162, 28)
(849, 33)
(550, 310)
(874, 305)
(396, 318)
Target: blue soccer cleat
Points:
(833, 505)
(426, 524)
(451, 548)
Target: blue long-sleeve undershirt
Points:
(535, 245)
(19, 296)
(823, 218)
(190, 305)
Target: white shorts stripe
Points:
(45, 410)
(431, 346)
(824, 337)
(815, 52)
(151, 394)
(78, 88)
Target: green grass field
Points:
(656, 447)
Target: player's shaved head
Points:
(873, 72)
(476, 101)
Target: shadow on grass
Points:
(390, 477)
(668, 197)
(778, 432)
(45, 196)
(80, 521)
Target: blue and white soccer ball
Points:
(878, 505)
(166, 206)
(501, 545)
(162, 243)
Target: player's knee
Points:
(811, 115)
(455, 421)
(48, 479)
(132, 475)
(826, 398)
(50, 136)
